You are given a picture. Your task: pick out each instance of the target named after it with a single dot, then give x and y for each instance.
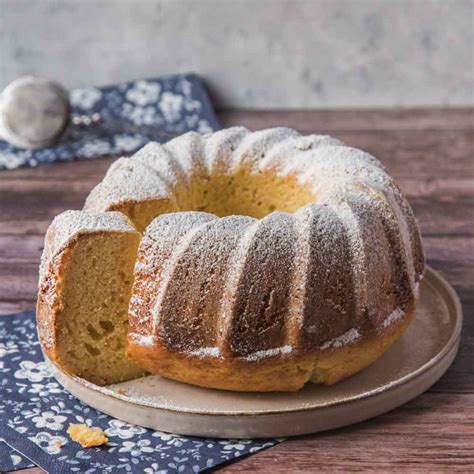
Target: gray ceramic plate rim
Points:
(450, 297)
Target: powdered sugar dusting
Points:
(188, 150)
(197, 221)
(393, 317)
(127, 180)
(303, 220)
(160, 159)
(348, 337)
(416, 291)
(143, 340)
(219, 146)
(349, 220)
(254, 146)
(259, 355)
(69, 224)
(206, 352)
(234, 271)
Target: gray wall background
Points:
(253, 53)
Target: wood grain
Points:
(424, 435)
(431, 154)
(459, 118)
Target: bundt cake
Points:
(256, 262)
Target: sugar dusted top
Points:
(70, 224)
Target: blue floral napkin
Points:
(35, 412)
(128, 116)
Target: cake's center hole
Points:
(243, 193)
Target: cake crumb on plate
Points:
(87, 436)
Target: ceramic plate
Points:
(409, 367)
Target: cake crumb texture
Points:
(87, 436)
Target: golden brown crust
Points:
(48, 306)
(46, 321)
(283, 373)
(336, 365)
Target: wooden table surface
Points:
(431, 154)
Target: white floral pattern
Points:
(240, 446)
(123, 430)
(174, 104)
(50, 420)
(85, 98)
(94, 148)
(136, 449)
(8, 348)
(52, 444)
(171, 105)
(128, 142)
(33, 371)
(144, 93)
(43, 390)
(37, 412)
(10, 160)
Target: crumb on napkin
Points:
(87, 436)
